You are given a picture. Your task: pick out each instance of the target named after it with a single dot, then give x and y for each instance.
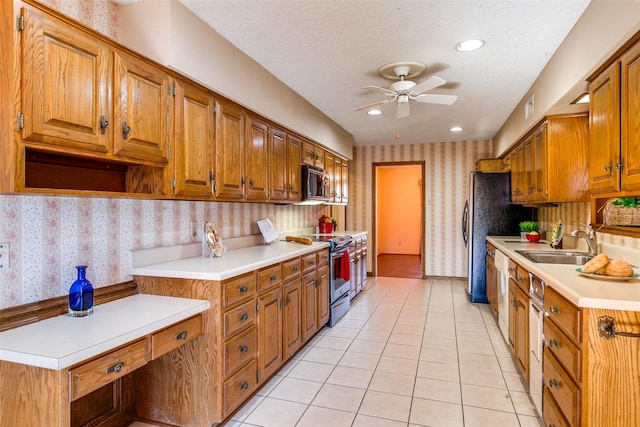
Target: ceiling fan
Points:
(404, 90)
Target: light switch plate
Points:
(4, 256)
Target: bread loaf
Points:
(598, 262)
(618, 268)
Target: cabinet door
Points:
(194, 139)
(337, 196)
(530, 184)
(229, 152)
(142, 109)
(278, 164)
(345, 181)
(257, 160)
(65, 83)
(294, 184)
(492, 285)
(309, 306)
(269, 333)
(308, 156)
(518, 174)
(540, 163)
(320, 157)
(292, 318)
(604, 131)
(322, 295)
(630, 142)
(522, 333)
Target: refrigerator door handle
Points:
(465, 220)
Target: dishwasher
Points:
(502, 266)
(536, 340)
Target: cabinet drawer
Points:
(522, 279)
(309, 262)
(563, 349)
(564, 315)
(552, 414)
(269, 277)
(239, 387)
(239, 318)
(174, 336)
(290, 269)
(239, 289)
(323, 257)
(109, 367)
(239, 350)
(562, 388)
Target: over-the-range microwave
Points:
(315, 184)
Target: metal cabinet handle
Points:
(294, 269)
(311, 262)
(273, 277)
(244, 316)
(243, 349)
(244, 385)
(182, 335)
(554, 343)
(288, 299)
(554, 383)
(126, 130)
(243, 289)
(115, 368)
(555, 310)
(608, 329)
(104, 124)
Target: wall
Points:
(601, 30)
(50, 235)
(166, 31)
(399, 191)
(447, 165)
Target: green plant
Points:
(528, 226)
(630, 202)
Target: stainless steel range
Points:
(339, 274)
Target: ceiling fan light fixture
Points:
(469, 45)
(403, 99)
(374, 112)
(456, 129)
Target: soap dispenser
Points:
(81, 295)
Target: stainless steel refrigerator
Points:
(488, 212)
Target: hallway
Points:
(410, 353)
(406, 266)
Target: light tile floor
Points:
(409, 353)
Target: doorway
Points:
(398, 219)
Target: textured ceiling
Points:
(327, 50)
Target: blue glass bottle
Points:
(81, 295)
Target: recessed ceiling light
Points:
(469, 45)
(456, 129)
(582, 99)
(375, 112)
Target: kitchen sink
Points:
(557, 257)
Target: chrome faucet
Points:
(589, 236)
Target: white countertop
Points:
(63, 341)
(580, 290)
(234, 263)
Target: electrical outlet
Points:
(194, 228)
(4, 256)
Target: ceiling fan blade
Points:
(434, 98)
(381, 89)
(374, 104)
(426, 85)
(403, 110)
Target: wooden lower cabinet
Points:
(256, 322)
(519, 317)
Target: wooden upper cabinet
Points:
(229, 152)
(518, 181)
(345, 181)
(257, 159)
(194, 141)
(278, 164)
(65, 84)
(530, 186)
(142, 110)
(337, 178)
(604, 131)
(308, 156)
(630, 121)
(294, 170)
(320, 158)
(539, 163)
